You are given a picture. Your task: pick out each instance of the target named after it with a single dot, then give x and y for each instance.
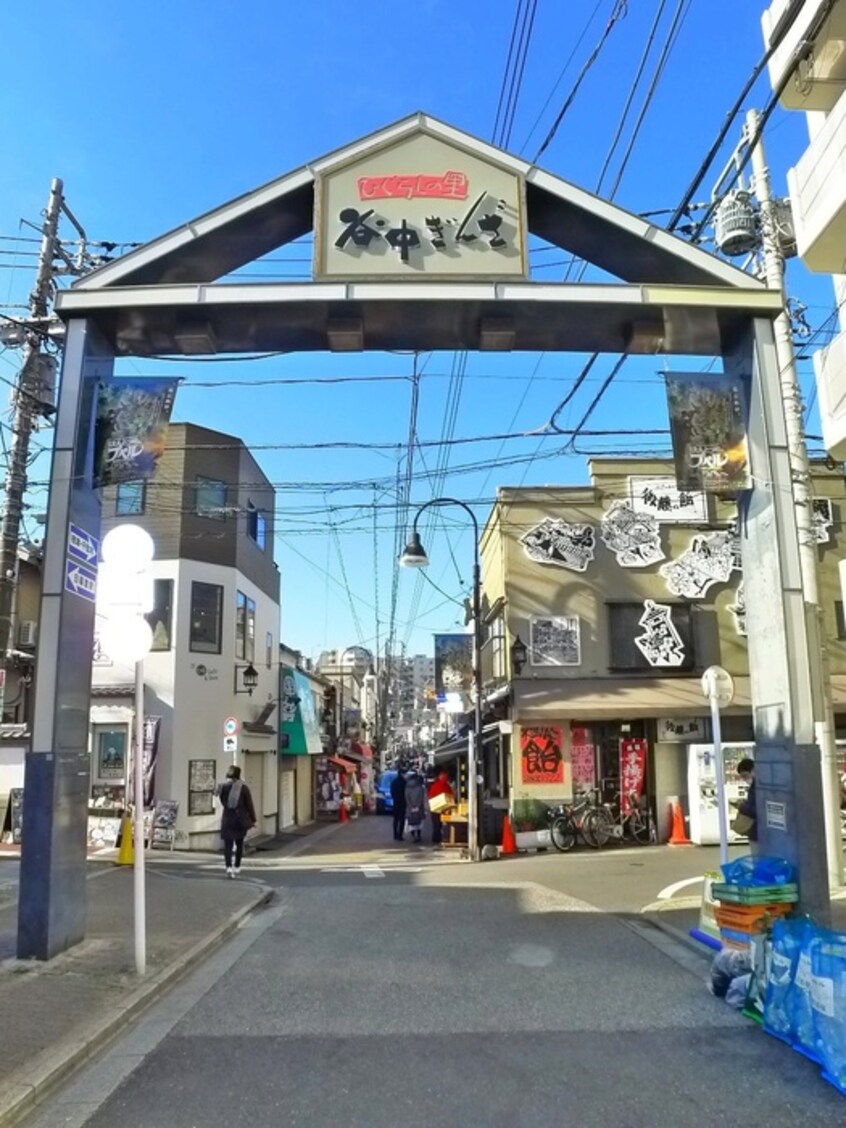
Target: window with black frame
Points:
(210, 498)
(130, 498)
(245, 627)
(160, 617)
(257, 526)
(206, 617)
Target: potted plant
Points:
(531, 825)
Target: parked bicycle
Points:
(586, 819)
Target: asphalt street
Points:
(389, 986)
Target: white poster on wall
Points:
(554, 541)
(634, 538)
(662, 499)
(702, 790)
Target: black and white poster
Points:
(660, 644)
(738, 610)
(634, 538)
(822, 518)
(554, 541)
(710, 559)
(661, 498)
(555, 641)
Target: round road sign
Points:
(230, 726)
(718, 683)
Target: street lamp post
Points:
(125, 591)
(414, 556)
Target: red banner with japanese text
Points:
(541, 755)
(582, 759)
(632, 772)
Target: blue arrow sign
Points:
(82, 546)
(80, 581)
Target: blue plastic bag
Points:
(750, 870)
(788, 938)
(828, 1002)
(804, 1033)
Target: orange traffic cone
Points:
(509, 845)
(678, 836)
(343, 814)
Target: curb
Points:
(56, 1065)
(679, 935)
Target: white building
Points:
(210, 512)
(808, 69)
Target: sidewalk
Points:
(60, 1012)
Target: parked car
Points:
(384, 802)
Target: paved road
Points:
(401, 990)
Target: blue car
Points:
(384, 801)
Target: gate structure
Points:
(421, 242)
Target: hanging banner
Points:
(582, 760)
(152, 727)
(299, 729)
(541, 755)
(708, 425)
(632, 772)
(453, 670)
(131, 427)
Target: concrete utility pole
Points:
(28, 405)
(824, 730)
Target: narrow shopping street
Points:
(387, 984)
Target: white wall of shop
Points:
(204, 695)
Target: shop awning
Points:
(458, 747)
(587, 699)
(347, 765)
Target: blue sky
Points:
(154, 114)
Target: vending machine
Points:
(702, 790)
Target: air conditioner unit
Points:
(27, 632)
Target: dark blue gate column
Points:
(52, 902)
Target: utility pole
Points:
(29, 400)
(803, 499)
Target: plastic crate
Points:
(756, 894)
(749, 918)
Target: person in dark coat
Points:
(398, 797)
(238, 816)
(746, 771)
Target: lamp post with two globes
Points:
(124, 596)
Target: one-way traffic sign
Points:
(80, 581)
(82, 545)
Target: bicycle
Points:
(585, 818)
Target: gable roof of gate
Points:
(250, 226)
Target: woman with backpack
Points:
(415, 804)
(239, 816)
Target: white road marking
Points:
(372, 871)
(671, 890)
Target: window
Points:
(268, 650)
(555, 641)
(649, 637)
(160, 617)
(130, 498)
(839, 618)
(245, 627)
(257, 526)
(211, 498)
(206, 617)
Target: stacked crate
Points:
(745, 910)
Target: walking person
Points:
(415, 804)
(439, 786)
(398, 800)
(238, 816)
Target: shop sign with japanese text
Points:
(632, 772)
(661, 498)
(541, 755)
(420, 208)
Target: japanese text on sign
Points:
(541, 755)
(632, 773)
(452, 185)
